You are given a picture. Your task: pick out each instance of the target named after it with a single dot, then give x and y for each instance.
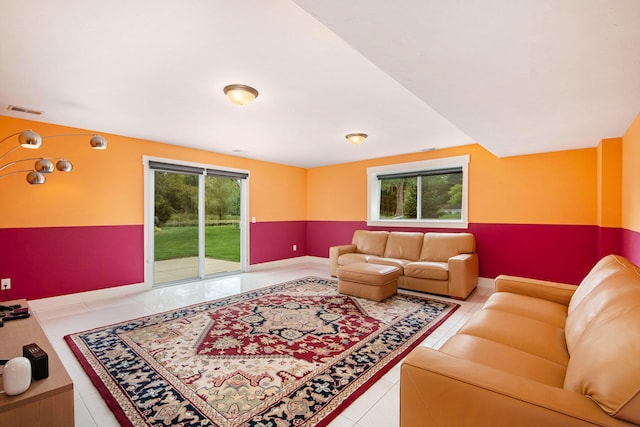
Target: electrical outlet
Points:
(295, 248)
(5, 284)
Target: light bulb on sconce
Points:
(29, 139)
(98, 142)
(64, 165)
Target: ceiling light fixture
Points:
(241, 94)
(356, 138)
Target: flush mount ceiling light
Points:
(241, 94)
(356, 138)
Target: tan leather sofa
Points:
(438, 263)
(538, 354)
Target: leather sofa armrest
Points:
(463, 275)
(437, 389)
(334, 254)
(544, 289)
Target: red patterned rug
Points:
(293, 354)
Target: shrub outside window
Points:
(430, 193)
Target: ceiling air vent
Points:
(24, 110)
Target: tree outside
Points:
(440, 196)
(176, 216)
(222, 197)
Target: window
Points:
(430, 193)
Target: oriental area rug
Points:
(292, 354)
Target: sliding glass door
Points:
(198, 222)
(175, 236)
(222, 224)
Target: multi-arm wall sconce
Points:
(43, 165)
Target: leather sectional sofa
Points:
(438, 263)
(539, 353)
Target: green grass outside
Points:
(221, 242)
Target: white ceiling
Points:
(516, 76)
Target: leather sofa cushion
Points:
(541, 339)
(427, 270)
(601, 298)
(603, 269)
(439, 247)
(370, 242)
(399, 263)
(605, 365)
(404, 245)
(527, 306)
(505, 358)
(351, 258)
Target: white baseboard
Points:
(486, 282)
(80, 297)
(290, 261)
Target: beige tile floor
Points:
(377, 407)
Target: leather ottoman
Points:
(371, 281)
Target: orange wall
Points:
(549, 188)
(102, 182)
(610, 183)
(631, 177)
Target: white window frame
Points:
(373, 192)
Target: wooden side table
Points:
(47, 402)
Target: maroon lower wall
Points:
(45, 262)
(52, 261)
(563, 253)
(630, 245)
(273, 241)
